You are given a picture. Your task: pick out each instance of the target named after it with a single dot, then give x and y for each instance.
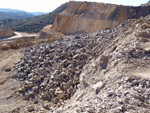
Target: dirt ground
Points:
(9, 99)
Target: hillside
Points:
(14, 14)
(87, 17)
(10, 10)
(34, 24)
(6, 13)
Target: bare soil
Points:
(9, 99)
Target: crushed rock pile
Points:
(89, 71)
(106, 82)
(121, 94)
(51, 71)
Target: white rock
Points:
(98, 86)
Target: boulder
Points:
(7, 69)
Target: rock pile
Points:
(122, 94)
(51, 71)
(90, 68)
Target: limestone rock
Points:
(61, 95)
(30, 108)
(46, 106)
(98, 86)
(102, 61)
(84, 17)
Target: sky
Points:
(50, 5)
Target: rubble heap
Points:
(90, 72)
(51, 71)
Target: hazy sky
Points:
(49, 5)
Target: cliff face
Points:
(86, 17)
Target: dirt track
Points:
(19, 35)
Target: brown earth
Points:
(9, 100)
(19, 40)
(48, 33)
(6, 33)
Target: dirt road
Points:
(19, 35)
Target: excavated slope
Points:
(117, 81)
(103, 72)
(86, 17)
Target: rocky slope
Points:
(86, 17)
(117, 80)
(103, 72)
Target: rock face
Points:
(86, 17)
(6, 33)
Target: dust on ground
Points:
(9, 99)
